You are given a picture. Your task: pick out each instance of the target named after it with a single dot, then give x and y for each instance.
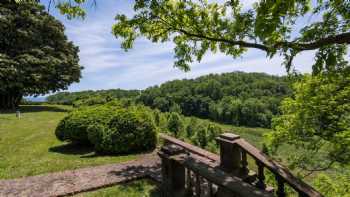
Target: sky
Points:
(107, 66)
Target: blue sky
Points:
(107, 66)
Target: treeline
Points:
(238, 98)
(99, 96)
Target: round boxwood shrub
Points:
(128, 131)
(74, 127)
(111, 128)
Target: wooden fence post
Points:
(173, 173)
(230, 153)
(230, 158)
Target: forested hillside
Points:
(249, 99)
(238, 98)
(68, 98)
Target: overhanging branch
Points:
(233, 42)
(343, 38)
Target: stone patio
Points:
(81, 180)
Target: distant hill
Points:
(238, 98)
(248, 99)
(68, 98)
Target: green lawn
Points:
(28, 145)
(140, 188)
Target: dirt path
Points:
(84, 179)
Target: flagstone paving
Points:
(81, 180)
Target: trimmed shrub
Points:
(130, 130)
(74, 127)
(110, 128)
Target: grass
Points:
(28, 145)
(252, 135)
(140, 188)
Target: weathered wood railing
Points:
(188, 170)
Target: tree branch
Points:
(233, 42)
(343, 38)
(311, 171)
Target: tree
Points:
(175, 124)
(317, 125)
(270, 26)
(192, 127)
(201, 137)
(175, 108)
(221, 97)
(35, 55)
(213, 131)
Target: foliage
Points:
(35, 55)
(213, 131)
(92, 100)
(192, 127)
(111, 128)
(201, 137)
(238, 98)
(194, 130)
(74, 127)
(69, 8)
(273, 27)
(130, 130)
(249, 99)
(316, 121)
(197, 27)
(175, 124)
(69, 98)
(336, 185)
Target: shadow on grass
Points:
(88, 151)
(36, 108)
(41, 108)
(73, 149)
(100, 154)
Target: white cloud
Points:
(108, 66)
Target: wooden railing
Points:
(282, 175)
(188, 170)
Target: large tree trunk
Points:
(10, 101)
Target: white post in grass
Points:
(18, 113)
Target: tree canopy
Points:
(71, 98)
(317, 124)
(238, 98)
(270, 26)
(35, 55)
